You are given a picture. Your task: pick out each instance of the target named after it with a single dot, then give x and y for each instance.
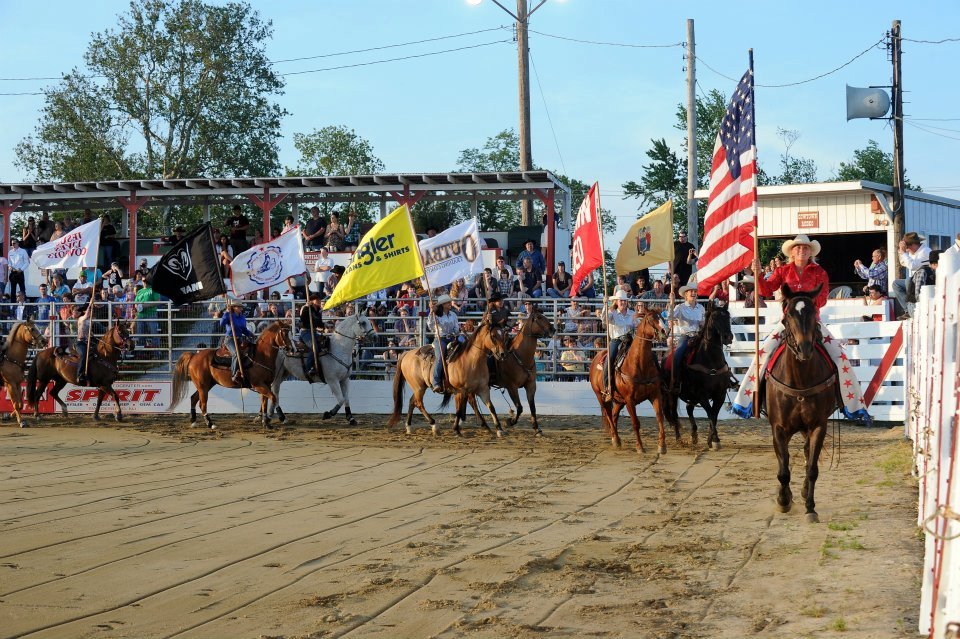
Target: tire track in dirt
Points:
(248, 557)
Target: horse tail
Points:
(180, 376)
(398, 383)
(32, 395)
(446, 400)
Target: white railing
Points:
(933, 348)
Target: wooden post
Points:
(756, 259)
(692, 216)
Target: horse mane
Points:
(8, 341)
(276, 327)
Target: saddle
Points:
(455, 349)
(625, 342)
(223, 359)
(761, 395)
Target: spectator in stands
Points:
(573, 360)
(955, 247)
(655, 299)
(876, 296)
(530, 278)
(506, 285)
(238, 224)
(876, 273)
(335, 234)
(324, 266)
(585, 288)
(44, 228)
(45, 303)
(22, 310)
(108, 239)
(486, 286)
(146, 300)
(684, 257)
(29, 236)
(914, 254)
(572, 316)
(503, 266)
(314, 230)
(332, 280)
(299, 286)
(458, 293)
(19, 262)
(142, 271)
(288, 224)
(623, 286)
(226, 255)
(113, 276)
(82, 289)
(4, 272)
(178, 233)
(534, 255)
(351, 237)
(58, 231)
(560, 282)
(58, 289)
(257, 238)
(390, 357)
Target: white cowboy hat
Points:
(798, 240)
(443, 299)
(619, 295)
(684, 289)
(747, 279)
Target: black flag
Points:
(190, 270)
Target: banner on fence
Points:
(135, 398)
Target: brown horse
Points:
(61, 367)
(801, 394)
(638, 380)
(518, 369)
(259, 373)
(467, 377)
(22, 337)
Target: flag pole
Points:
(426, 279)
(606, 302)
(89, 313)
(670, 304)
(756, 254)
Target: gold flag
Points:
(386, 255)
(648, 242)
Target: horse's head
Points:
(717, 324)
(119, 337)
(800, 325)
(32, 335)
(493, 339)
(651, 328)
(280, 339)
(358, 327)
(540, 325)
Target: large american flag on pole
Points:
(732, 208)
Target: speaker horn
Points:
(866, 103)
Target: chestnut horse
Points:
(54, 364)
(22, 337)
(637, 381)
(518, 369)
(801, 394)
(467, 377)
(259, 374)
(705, 380)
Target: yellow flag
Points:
(648, 242)
(386, 255)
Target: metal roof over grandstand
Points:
(434, 186)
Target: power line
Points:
(609, 44)
(791, 84)
(938, 128)
(406, 57)
(934, 119)
(926, 130)
(547, 110)
(931, 41)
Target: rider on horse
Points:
(687, 321)
(621, 320)
(448, 326)
(498, 315)
(83, 318)
(802, 275)
(311, 319)
(234, 323)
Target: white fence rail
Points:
(933, 349)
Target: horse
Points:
(638, 380)
(336, 365)
(259, 374)
(705, 380)
(518, 369)
(57, 365)
(22, 336)
(801, 394)
(468, 376)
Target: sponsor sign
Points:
(808, 219)
(135, 398)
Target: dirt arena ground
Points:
(152, 531)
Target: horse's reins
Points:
(6, 356)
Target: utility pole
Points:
(897, 90)
(523, 74)
(693, 226)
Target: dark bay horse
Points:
(638, 380)
(259, 374)
(801, 395)
(20, 339)
(518, 369)
(467, 377)
(705, 380)
(61, 367)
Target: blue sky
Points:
(605, 103)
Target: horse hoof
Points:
(96, 417)
(193, 424)
(212, 426)
(499, 434)
(283, 419)
(118, 418)
(326, 415)
(812, 518)
(615, 442)
(435, 430)
(714, 445)
(23, 425)
(662, 449)
(538, 433)
(352, 422)
(784, 508)
(409, 431)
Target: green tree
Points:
(501, 152)
(178, 88)
(870, 163)
(794, 170)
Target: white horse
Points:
(336, 365)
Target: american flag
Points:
(731, 210)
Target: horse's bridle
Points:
(16, 338)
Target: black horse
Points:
(703, 381)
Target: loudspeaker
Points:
(866, 103)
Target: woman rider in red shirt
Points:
(801, 273)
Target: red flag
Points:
(731, 211)
(586, 253)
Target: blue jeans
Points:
(440, 353)
(588, 293)
(232, 347)
(82, 362)
(147, 328)
(552, 292)
(900, 292)
(611, 359)
(308, 342)
(680, 352)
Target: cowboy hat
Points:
(747, 279)
(800, 240)
(684, 289)
(619, 295)
(443, 299)
(913, 238)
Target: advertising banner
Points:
(135, 398)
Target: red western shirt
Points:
(805, 280)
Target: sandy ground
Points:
(153, 531)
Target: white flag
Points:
(268, 264)
(79, 247)
(453, 254)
